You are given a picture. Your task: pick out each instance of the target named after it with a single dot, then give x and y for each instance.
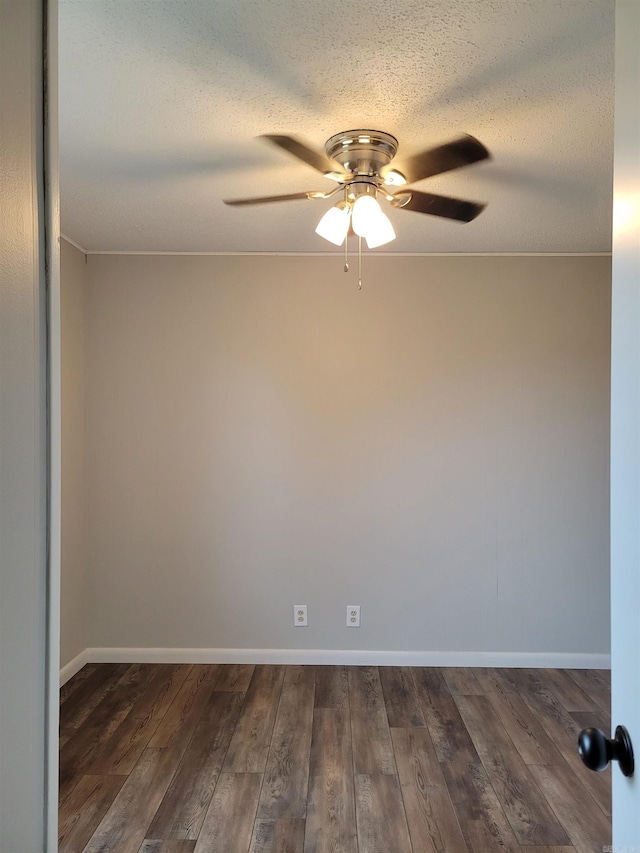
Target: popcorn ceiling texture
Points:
(161, 101)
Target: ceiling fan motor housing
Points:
(362, 152)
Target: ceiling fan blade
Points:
(437, 205)
(266, 199)
(452, 155)
(316, 159)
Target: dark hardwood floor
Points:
(301, 759)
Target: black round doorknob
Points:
(596, 750)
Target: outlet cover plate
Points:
(300, 615)
(353, 615)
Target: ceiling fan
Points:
(360, 162)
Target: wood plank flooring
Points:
(302, 759)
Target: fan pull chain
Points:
(346, 254)
(359, 263)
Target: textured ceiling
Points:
(161, 101)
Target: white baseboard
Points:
(69, 670)
(352, 657)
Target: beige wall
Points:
(73, 602)
(433, 448)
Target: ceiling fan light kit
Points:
(359, 162)
(334, 225)
(370, 222)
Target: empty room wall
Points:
(433, 448)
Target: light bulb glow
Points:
(365, 211)
(371, 223)
(334, 225)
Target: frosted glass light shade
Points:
(334, 225)
(380, 232)
(371, 223)
(365, 211)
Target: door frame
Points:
(52, 229)
(625, 418)
(54, 416)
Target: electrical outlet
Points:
(300, 615)
(353, 615)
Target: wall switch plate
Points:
(353, 615)
(300, 615)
